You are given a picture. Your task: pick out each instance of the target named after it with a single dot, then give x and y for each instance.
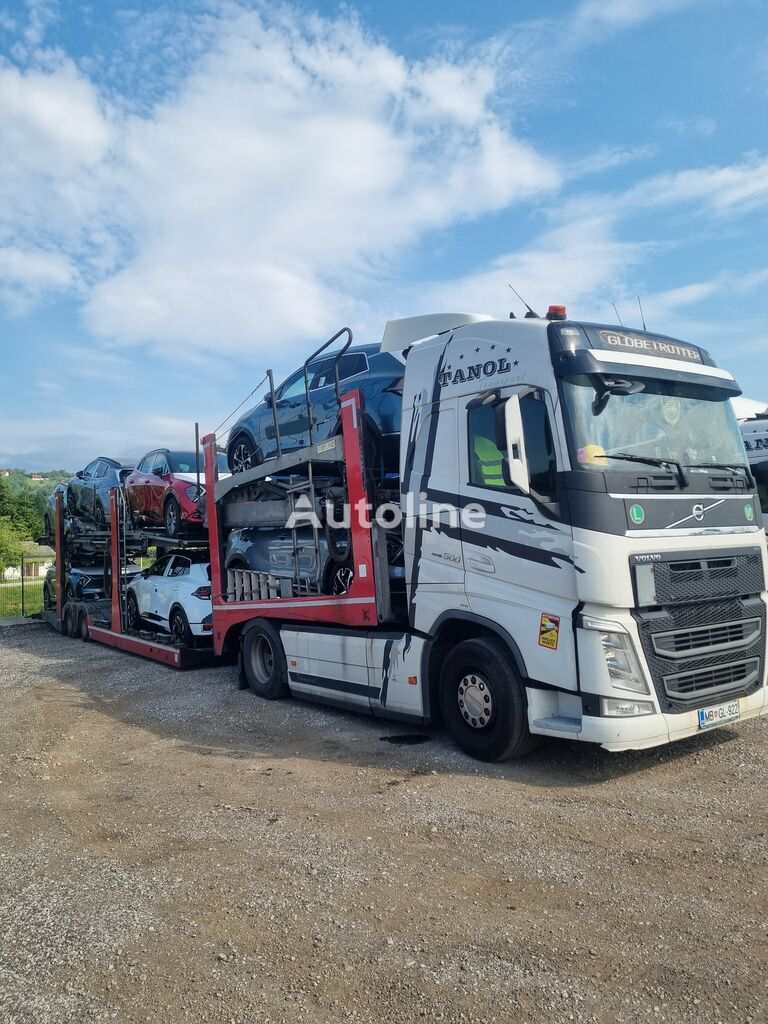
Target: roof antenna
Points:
(642, 315)
(530, 312)
(621, 322)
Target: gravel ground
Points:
(175, 850)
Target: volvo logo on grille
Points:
(698, 512)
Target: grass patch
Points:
(10, 598)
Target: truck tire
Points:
(68, 623)
(264, 661)
(483, 702)
(82, 627)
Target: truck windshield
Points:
(687, 424)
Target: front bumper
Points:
(654, 730)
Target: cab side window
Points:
(487, 446)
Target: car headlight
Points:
(193, 493)
(618, 650)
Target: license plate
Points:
(719, 714)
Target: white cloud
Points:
(27, 274)
(697, 127)
(581, 264)
(618, 14)
(735, 188)
(295, 159)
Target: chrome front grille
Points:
(703, 640)
(736, 675)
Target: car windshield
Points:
(689, 424)
(184, 462)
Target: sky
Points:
(192, 192)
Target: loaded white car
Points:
(173, 595)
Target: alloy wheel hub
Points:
(475, 701)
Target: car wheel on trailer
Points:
(47, 602)
(242, 454)
(180, 631)
(339, 578)
(483, 702)
(172, 517)
(264, 660)
(83, 631)
(132, 611)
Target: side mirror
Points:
(268, 399)
(516, 467)
(80, 474)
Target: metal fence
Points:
(21, 587)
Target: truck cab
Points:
(577, 494)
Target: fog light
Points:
(615, 707)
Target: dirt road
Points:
(174, 850)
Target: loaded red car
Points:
(162, 491)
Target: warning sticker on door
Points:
(549, 631)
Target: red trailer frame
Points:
(359, 607)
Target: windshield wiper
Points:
(719, 465)
(651, 461)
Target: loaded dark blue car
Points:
(378, 375)
(83, 582)
(88, 490)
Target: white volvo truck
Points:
(583, 553)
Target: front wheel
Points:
(172, 517)
(264, 661)
(132, 612)
(483, 702)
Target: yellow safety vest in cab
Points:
(489, 461)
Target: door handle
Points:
(482, 563)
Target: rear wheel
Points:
(180, 631)
(47, 601)
(83, 631)
(483, 702)
(172, 516)
(264, 661)
(67, 621)
(241, 454)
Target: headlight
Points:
(619, 653)
(192, 492)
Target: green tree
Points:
(7, 501)
(10, 545)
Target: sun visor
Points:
(629, 364)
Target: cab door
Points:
(518, 553)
